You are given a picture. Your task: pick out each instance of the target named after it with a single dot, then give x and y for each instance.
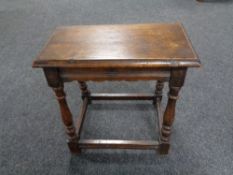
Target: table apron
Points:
(70, 74)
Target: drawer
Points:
(93, 74)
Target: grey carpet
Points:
(32, 139)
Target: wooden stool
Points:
(159, 52)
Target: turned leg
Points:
(175, 83)
(159, 90)
(84, 89)
(56, 84)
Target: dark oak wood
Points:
(159, 90)
(121, 96)
(175, 83)
(84, 90)
(119, 144)
(55, 82)
(113, 74)
(82, 116)
(133, 52)
(119, 46)
(159, 115)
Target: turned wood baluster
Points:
(56, 84)
(159, 90)
(175, 83)
(84, 89)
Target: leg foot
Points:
(73, 146)
(164, 148)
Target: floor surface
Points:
(32, 139)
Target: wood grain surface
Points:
(145, 45)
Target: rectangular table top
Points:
(132, 45)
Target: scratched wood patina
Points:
(132, 52)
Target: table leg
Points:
(84, 89)
(175, 83)
(159, 90)
(56, 84)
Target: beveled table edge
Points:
(124, 63)
(116, 63)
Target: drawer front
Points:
(70, 74)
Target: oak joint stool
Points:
(160, 52)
